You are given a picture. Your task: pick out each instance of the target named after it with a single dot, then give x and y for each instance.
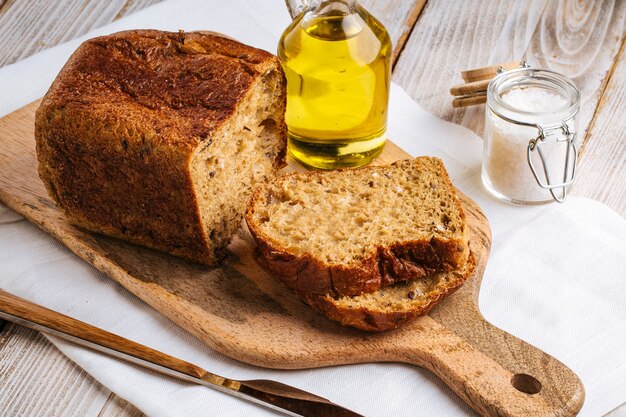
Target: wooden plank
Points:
(118, 407)
(602, 169)
(476, 33)
(42, 381)
(27, 27)
(132, 6)
(32, 26)
(618, 412)
(585, 49)
(471, 34)
(4, 333)
(399, 19)
(449, 37)
(579, 40)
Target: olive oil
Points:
(338, 74)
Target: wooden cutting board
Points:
(240, 311)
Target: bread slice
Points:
(395, 304)
(349, 232)
(158, 138)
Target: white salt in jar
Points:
(530, 149)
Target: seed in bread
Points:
(158, 138)
(350, 232)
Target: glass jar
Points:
(530, 149)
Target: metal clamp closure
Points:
(522, 64)
(571, 157)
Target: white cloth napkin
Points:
(555, 275)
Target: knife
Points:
(275, 395)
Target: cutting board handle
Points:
(550, 389)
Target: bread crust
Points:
(378, 320)
(385, 265)
(118, 127)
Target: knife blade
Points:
(271, 394)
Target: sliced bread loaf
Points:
(349, 232)
(158, 138)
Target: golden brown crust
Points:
(117, 129)
(367, 318)
(386, 265)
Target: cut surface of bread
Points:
(350, 232)
(158, 138)
(395, 304)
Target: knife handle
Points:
(278, 397)
(40, 318)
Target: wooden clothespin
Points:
(474, 90)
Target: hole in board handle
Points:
(526, 383)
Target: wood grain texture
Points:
(399, 17)
(29, 27)
(25, 310)
(578, 39)
(236, 308)
(77, 394)
(450, 37)
(406, 32)
(602, 170)
(454, 40)
(118, 407)
(618, 412)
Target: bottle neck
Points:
(321, 7)
(325, 7)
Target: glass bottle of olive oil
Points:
(336, 58)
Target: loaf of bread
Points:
(158, 138)
(350, 232)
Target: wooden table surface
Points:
(433, 41)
